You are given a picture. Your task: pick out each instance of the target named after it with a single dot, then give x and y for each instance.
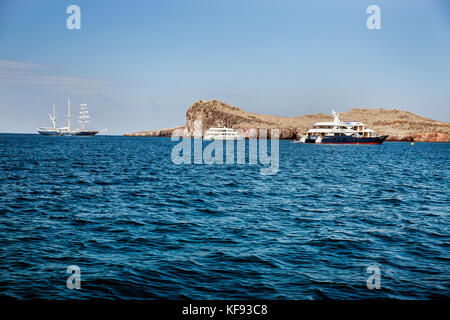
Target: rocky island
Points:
(399, 125)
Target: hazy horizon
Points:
(139, 66)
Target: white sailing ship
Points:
(67, 131)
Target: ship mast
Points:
(53, 118)
(68, 115)
(84, 115)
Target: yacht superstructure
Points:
(221, 134)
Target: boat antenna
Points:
(335, 115)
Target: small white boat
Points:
(222, 134)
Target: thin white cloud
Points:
(42, 77)
(20, 65)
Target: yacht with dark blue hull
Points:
(339, 132)
(352, 140)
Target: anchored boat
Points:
(67, 131)
(339, 132)
(84, 118)
(222, 134)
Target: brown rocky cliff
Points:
(213, 113)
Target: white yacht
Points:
(339, 132)
(221, 134)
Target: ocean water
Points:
(140, 227)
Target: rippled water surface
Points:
(140, 226)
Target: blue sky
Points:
(140, 64)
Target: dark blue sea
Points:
(140, 227)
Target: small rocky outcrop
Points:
(154, 133)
